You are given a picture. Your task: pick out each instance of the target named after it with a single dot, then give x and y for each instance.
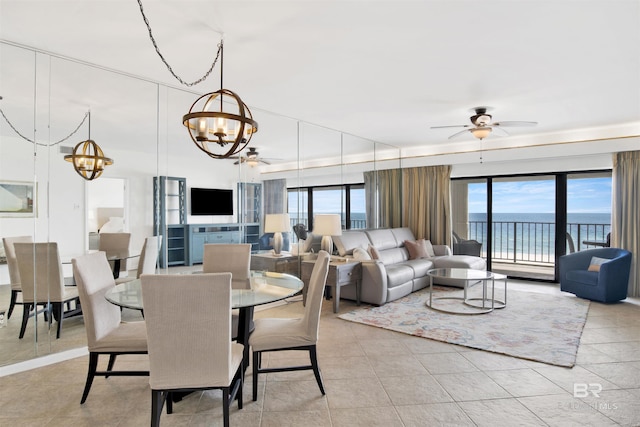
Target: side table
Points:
(341, 273)
(286, 263)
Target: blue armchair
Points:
(609, 284)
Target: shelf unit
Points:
(170, 219)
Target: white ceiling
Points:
(382, 70)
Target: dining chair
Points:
(43, 284)
(233, 258)
(188, 320)
(106, 333)
(278, 334)
(12, 264)
(148, 259)
(115, 244)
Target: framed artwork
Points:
(17, 199)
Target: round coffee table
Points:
(469, 277)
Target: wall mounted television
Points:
(211, 201)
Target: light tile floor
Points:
(373, 377)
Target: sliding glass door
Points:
(524, 223)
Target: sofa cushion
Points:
(596, 263)
(393, 256)
(583, 277)
(398, 274)
(382, 239)
(401, 234)
(349, 240)
(459, 261)
(419, 266)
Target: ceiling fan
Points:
(251, 158)
(482, 124)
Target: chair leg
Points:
(12, 304)
(168, 397)
(225, 406)
(112, 361)
(157, 402)
(316, 370)
(93, 365)
(256, 368)
(58, 310)
(26, 309)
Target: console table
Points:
(341, 273)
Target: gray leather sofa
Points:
(393, 275)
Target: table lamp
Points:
(276, 224)
(327, 225)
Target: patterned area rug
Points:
(541, 327)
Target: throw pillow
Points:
(421, 248)
(373, 252)
(416, 249)
(429, 248)
(360, 254)
(596, 262)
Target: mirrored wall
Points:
(138, 124)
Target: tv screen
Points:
(211, 201)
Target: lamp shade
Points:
(327, 225)
(481, 132)
(274, 223)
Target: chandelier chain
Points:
(39, 143)
(155, 45)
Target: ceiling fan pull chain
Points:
(155, 45)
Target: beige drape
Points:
(387, 186)
(427, 202)
(625, 215)
(418, 198)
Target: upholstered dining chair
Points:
(232, 258)
(188, 320)
(12, 264)
(235, 259)
(277, 334)
(115, 244)
(148, 259)
(43, 284)
(106, 333)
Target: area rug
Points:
(534, 326)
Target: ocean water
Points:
(530, 236)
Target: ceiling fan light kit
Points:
(482, 125)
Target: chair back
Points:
(232, 258)
(40, 272)
(188, 320)
(94, 277)
(572, 246)
(149, 255)
(12, 262)
(313, 306)
(115, 244)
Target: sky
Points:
(584, 195)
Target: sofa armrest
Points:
(441, 250)
(374, 282)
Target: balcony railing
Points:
(533, 241)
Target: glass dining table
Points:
(266, 287)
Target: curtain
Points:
(625, 215)
(386, 187)
(275, 196)
(427, 202)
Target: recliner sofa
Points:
(394, 275)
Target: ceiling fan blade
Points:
(458, 133)
(501, 130)
(451, 126)
(265, 162)
(514, 123)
